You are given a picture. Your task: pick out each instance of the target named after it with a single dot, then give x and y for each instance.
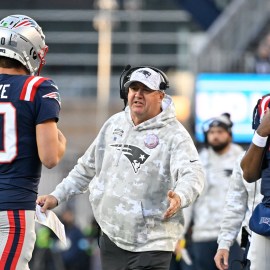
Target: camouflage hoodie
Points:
(129, 170)
(207, 211)
(242, 197)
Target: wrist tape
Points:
(259, 140)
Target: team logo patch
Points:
(135, 155)
(55, 86)
(145, 73)
(265, 220)
(151, 141)
(54, 95)
(117, 133)
(26, 22)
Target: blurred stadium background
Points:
(90, 42)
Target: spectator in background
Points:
(51, 254)
(241, 199)
(206, 213)
(262, 58)
(45, 255)
(74, 255)
(92, 233)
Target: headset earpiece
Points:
(165, 84)
(162, 86)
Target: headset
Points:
(125, 77)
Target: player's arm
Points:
(251, 163)
(51, 143)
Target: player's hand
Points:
(175, 203)
(221, 259)
(46, 202)
(264, 127)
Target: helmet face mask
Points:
(22, 39)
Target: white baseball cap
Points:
(147, 76)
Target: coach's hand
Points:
(221, 259)
(46, 202)
(175, 203)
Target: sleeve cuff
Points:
(224, 245)
(56, 195)
(183, 199)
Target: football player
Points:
(29, 136)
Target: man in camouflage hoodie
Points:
(218, 159)
(241, 199)
(142, 170)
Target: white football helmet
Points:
(21, 38)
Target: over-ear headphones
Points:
(125, 77)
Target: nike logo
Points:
(193, 160)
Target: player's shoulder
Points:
(34, 84)
(35, 81)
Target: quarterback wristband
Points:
(259, 140)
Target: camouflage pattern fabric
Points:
(241, 199)
(129, 170)
(207, 211)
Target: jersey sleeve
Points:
(47, 102)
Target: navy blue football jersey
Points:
(25, 101)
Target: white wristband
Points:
(259, 140)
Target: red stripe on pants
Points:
(12, 231)
(21, 240)
(9, 240)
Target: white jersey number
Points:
(9, 135)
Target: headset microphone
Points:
(127, 67)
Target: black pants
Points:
(115, 258)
